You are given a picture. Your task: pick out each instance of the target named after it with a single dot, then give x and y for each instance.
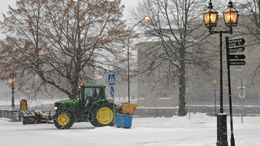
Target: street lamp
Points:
(210, 17)
(12, 81)
(145, 18)
(230, 16)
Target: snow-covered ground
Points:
(198, 130)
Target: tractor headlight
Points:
(55, 107)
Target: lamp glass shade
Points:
(231, 16)
(210, 18)
(146, 18)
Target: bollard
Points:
(222, 129)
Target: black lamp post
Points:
(12, 81)
(210, 17)
(146, 18)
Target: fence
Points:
(12, 114)
(247, 110)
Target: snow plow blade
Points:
(128, 108)
(36, 117)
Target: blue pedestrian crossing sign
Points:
(111, 79)
(112, 91)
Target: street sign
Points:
(233, 47)
(237, 56)
(237, 62)
(111, 79)
(236, 49)
(112, 91)
(236, 42)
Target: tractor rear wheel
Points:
(63, 119)
(102, 115)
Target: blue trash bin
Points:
(124, 121)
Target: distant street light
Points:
(146, 18)
(210, 17)
(12, 81)
(215, 95)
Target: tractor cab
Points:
(91, 93)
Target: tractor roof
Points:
(95, 86)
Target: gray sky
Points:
(4, 5)
(129, 4)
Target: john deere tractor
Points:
(92, 105)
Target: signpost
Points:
(236, 42)
(238, 62)
(233, 47)
(236, 49)
(111, 83)
(112, 91)
(111, 79)
(238, 56)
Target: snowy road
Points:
(200, 130)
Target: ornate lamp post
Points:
(210, 17)
(146, 18)
(12, 81)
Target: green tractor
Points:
(92, 106)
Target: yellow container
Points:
(128, 108)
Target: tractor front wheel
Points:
(102, 115)
(63, 119)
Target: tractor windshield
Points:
(93, 92)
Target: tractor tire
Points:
(102, 115)
(63, 119)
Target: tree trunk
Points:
(74, 92)
(182, 88)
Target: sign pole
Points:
(229, 92)
(111, 83)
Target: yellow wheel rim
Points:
(63, 119)
(105, 115)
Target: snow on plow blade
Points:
(35, 117)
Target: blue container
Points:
(122, 120)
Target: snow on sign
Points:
(111, 79)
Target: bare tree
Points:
(63, 42)
(175, 41)
(250, 13)
(250, 10)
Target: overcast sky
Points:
(4, 5)
(129, 4)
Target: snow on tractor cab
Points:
(92, 106)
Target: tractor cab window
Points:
(92, 92)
